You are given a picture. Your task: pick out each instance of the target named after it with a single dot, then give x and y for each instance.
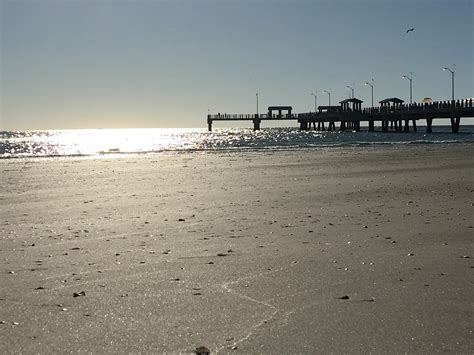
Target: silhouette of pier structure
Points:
(392, 115)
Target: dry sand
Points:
(240, 252)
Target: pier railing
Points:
(251, 116)
(351, 119)
(437, 105)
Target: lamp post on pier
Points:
(372, 89)
(411, 83)
(352, 91)
(329, 95)
(257, 102)
(452, 79)
(315, 100)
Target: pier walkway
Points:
(349, 115)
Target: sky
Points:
(149, 63)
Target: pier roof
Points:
(395, 100)
(274, 108)
(353, 100)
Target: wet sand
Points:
(340, 250)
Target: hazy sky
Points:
(106, 63)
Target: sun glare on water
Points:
(108, 141)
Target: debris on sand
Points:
(78, 294)
(202, 350)
(345, 297)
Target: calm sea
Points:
(99, 142)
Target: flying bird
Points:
(410, 30)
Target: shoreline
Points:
(254, 251)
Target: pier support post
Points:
(371, 126)
(414, 125)
(319, 126)
(407, 126)
(455, 121)
(342, 126)
(384, 126)
(209, 123)
(357, 126)
(429, 121)
(303, 126)
(256, 123)
(400, 128)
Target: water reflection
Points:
(99, 142)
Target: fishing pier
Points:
(392, 115)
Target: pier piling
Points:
(371, 126)
(209, 123)
(256, 123)
(407, 126)
(429, 122)
(455, 121)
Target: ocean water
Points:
(100, 142)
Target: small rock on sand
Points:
(202, 350)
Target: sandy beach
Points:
(305, 251)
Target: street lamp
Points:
(257, 102)
(315, 101)
(452, 79)
(352, 91)
(372, 88)
(411, 83)
(329, 94)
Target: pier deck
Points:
(394, 118)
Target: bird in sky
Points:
(410, 30)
